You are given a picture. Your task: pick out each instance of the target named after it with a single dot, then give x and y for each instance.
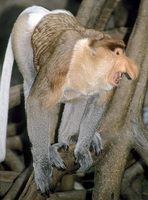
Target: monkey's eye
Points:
(118, 51)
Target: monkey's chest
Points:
(72, 95)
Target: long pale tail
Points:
(4, 96)
(6, 77)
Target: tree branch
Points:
(16, 93)
(89, 12)
(106, 13)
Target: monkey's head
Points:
(104, 62)
(112, 62)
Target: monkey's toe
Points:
(84, 159)
(43, 177)
(96, 144)
(55, 158)
(47, 193)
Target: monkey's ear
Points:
(93, 45)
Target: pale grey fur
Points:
(80, 121)
(80, 116)
(36, 121)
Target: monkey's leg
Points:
(88, 135)
(69, 129)
(71, 119)
(38, 122)
(38, 129)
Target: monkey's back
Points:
(52, 31)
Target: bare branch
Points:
(132, 182)
(89, 12)
(18, 184)
(15, 143)
(16, 93)
(13, 161)
(106, 12)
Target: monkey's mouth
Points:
(117, 77)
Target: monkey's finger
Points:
(98, 147)
(63, 146)
(56, 159)
(59, 146)
(98, 151)
(66, 147)
(76, 159)
(48, 191)
(92, 147)
(59, 164)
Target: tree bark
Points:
(15, 190)
(13, 161)
(16, 94)
(95, 14)
(122, 128)
(132, 181)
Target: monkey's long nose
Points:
(131, 69)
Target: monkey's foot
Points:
(83, 157)
(47, 193)
(96, 144)
(55, 158)
(43, 175)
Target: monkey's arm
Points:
(88, 136)
(69, 129)
(38, 129)
(38, 122)
(71, 119)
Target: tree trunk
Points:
(122, 128)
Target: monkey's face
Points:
(111, 62)
(99, 65)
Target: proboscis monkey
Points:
(61, 61)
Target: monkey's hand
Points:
(55, 158)
(83, 155)
(96, 144)
(43, 174)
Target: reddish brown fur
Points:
(59, 58)
(107, 42)
(53, 41)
